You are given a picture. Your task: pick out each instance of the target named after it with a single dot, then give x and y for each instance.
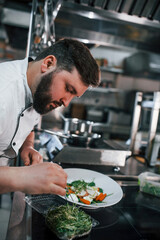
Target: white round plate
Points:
(108, 185)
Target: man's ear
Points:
(48, 62)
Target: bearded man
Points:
(28, 89)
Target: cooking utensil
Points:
(69, 194)
(58, 134)
(82, 140)
(76, 126)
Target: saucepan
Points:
(80, 140)
(76, 126)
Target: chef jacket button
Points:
(22, 114)
(14, 144)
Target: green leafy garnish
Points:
(68, 221)
(79, 185)
(91, 184)
(100, 190)
(151, 189)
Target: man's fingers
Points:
(55, 189)
(44, 178)
(60, 181)
(36, 158)
(60, 176)
(26, 161)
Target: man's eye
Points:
(69, 89)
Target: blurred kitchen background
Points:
(124, 38)
(122, 35)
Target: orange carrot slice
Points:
(85, 201)
(70, 191)
(102, 197)
(98, 197)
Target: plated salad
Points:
(85, 192)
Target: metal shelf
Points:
(112, 70)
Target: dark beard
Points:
(42, 97)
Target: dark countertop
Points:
(135, 217)
(132, 218)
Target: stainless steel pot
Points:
(76, 126)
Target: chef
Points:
(29, 89)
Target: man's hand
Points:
(46, 178)
(30, 156)
(41, 178)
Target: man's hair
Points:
(72, 53)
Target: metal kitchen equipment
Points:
(95, 151)
(83, 140)
(152, 148)
(42, 29)
(134, 23)
(106, 153)
(76, 126)
(143, 64)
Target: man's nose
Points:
(67, 100)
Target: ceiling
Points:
(122, 24)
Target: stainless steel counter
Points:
(90, 156)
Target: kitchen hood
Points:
(122, 24)
(118, 24)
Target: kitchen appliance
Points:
(82, 140)
(90, 149)
(152, 139)
(100, 152)
(82, 145)
(132, 24)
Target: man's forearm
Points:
(9, 179)
(35, 179)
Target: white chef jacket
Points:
(17, 116)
